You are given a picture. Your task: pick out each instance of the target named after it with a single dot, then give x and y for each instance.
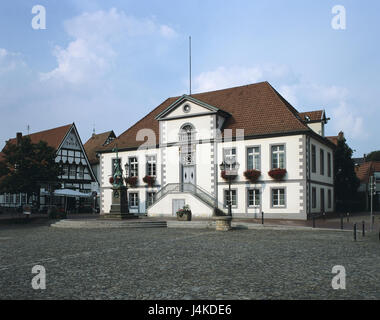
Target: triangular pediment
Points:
(187, 106)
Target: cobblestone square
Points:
(186, 264)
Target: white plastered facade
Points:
(297, 184)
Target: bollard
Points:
(313, 220)
(348, 217)
(262, 217)
(363, 229)
(355, 231)
(341, 221)
(324, 215)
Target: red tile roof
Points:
(53, 137)
(94, 143)
(334, 140)
(257, 108)
(313, 115)
(367, 169)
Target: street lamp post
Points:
(229, 173)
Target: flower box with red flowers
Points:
(132, 181)
(184, 214)
(229, 175)
(277, 174)
(149, 180)
(252, 175)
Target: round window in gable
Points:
(186, 108)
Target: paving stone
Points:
(117, 263)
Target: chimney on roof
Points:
(18, 138)
(341, 135)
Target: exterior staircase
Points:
(198, 192)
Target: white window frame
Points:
(278, 205)
(254, 152)
(133, 198)
(151, 166)
(133, 166)
(148, 198)
(276, 151)
(255, 192)
(231, 154)
(225, 193)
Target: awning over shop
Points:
(69, 193)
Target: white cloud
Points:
(167, 32)
(85, 85)
(9, 61)
(334, 99)
(305, 96)
(348, 121)
(92, 52)
(224, 77)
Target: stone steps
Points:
(191, 224)
(93, 224)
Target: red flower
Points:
(252, 175)
(277, 174)
(150, 180)
(132, 181)
(112, 180)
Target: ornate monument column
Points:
(119, 206)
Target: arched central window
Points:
(187, 145)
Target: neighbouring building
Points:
(91, 146)
(77, 172)
(364, 171)
(182, 142)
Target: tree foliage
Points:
(373, 156)
(25, 166)
(346, 181)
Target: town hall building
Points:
(174, 153)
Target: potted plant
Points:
(149, 180)
(132, 181)
(252, 175)
(184, 214)
(277, 174)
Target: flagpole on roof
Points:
(190, 62)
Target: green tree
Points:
(26, 166)
(346, 181)
(373, 156)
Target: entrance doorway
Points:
(188, 175)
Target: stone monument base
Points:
(222, 223)
(119, 207)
